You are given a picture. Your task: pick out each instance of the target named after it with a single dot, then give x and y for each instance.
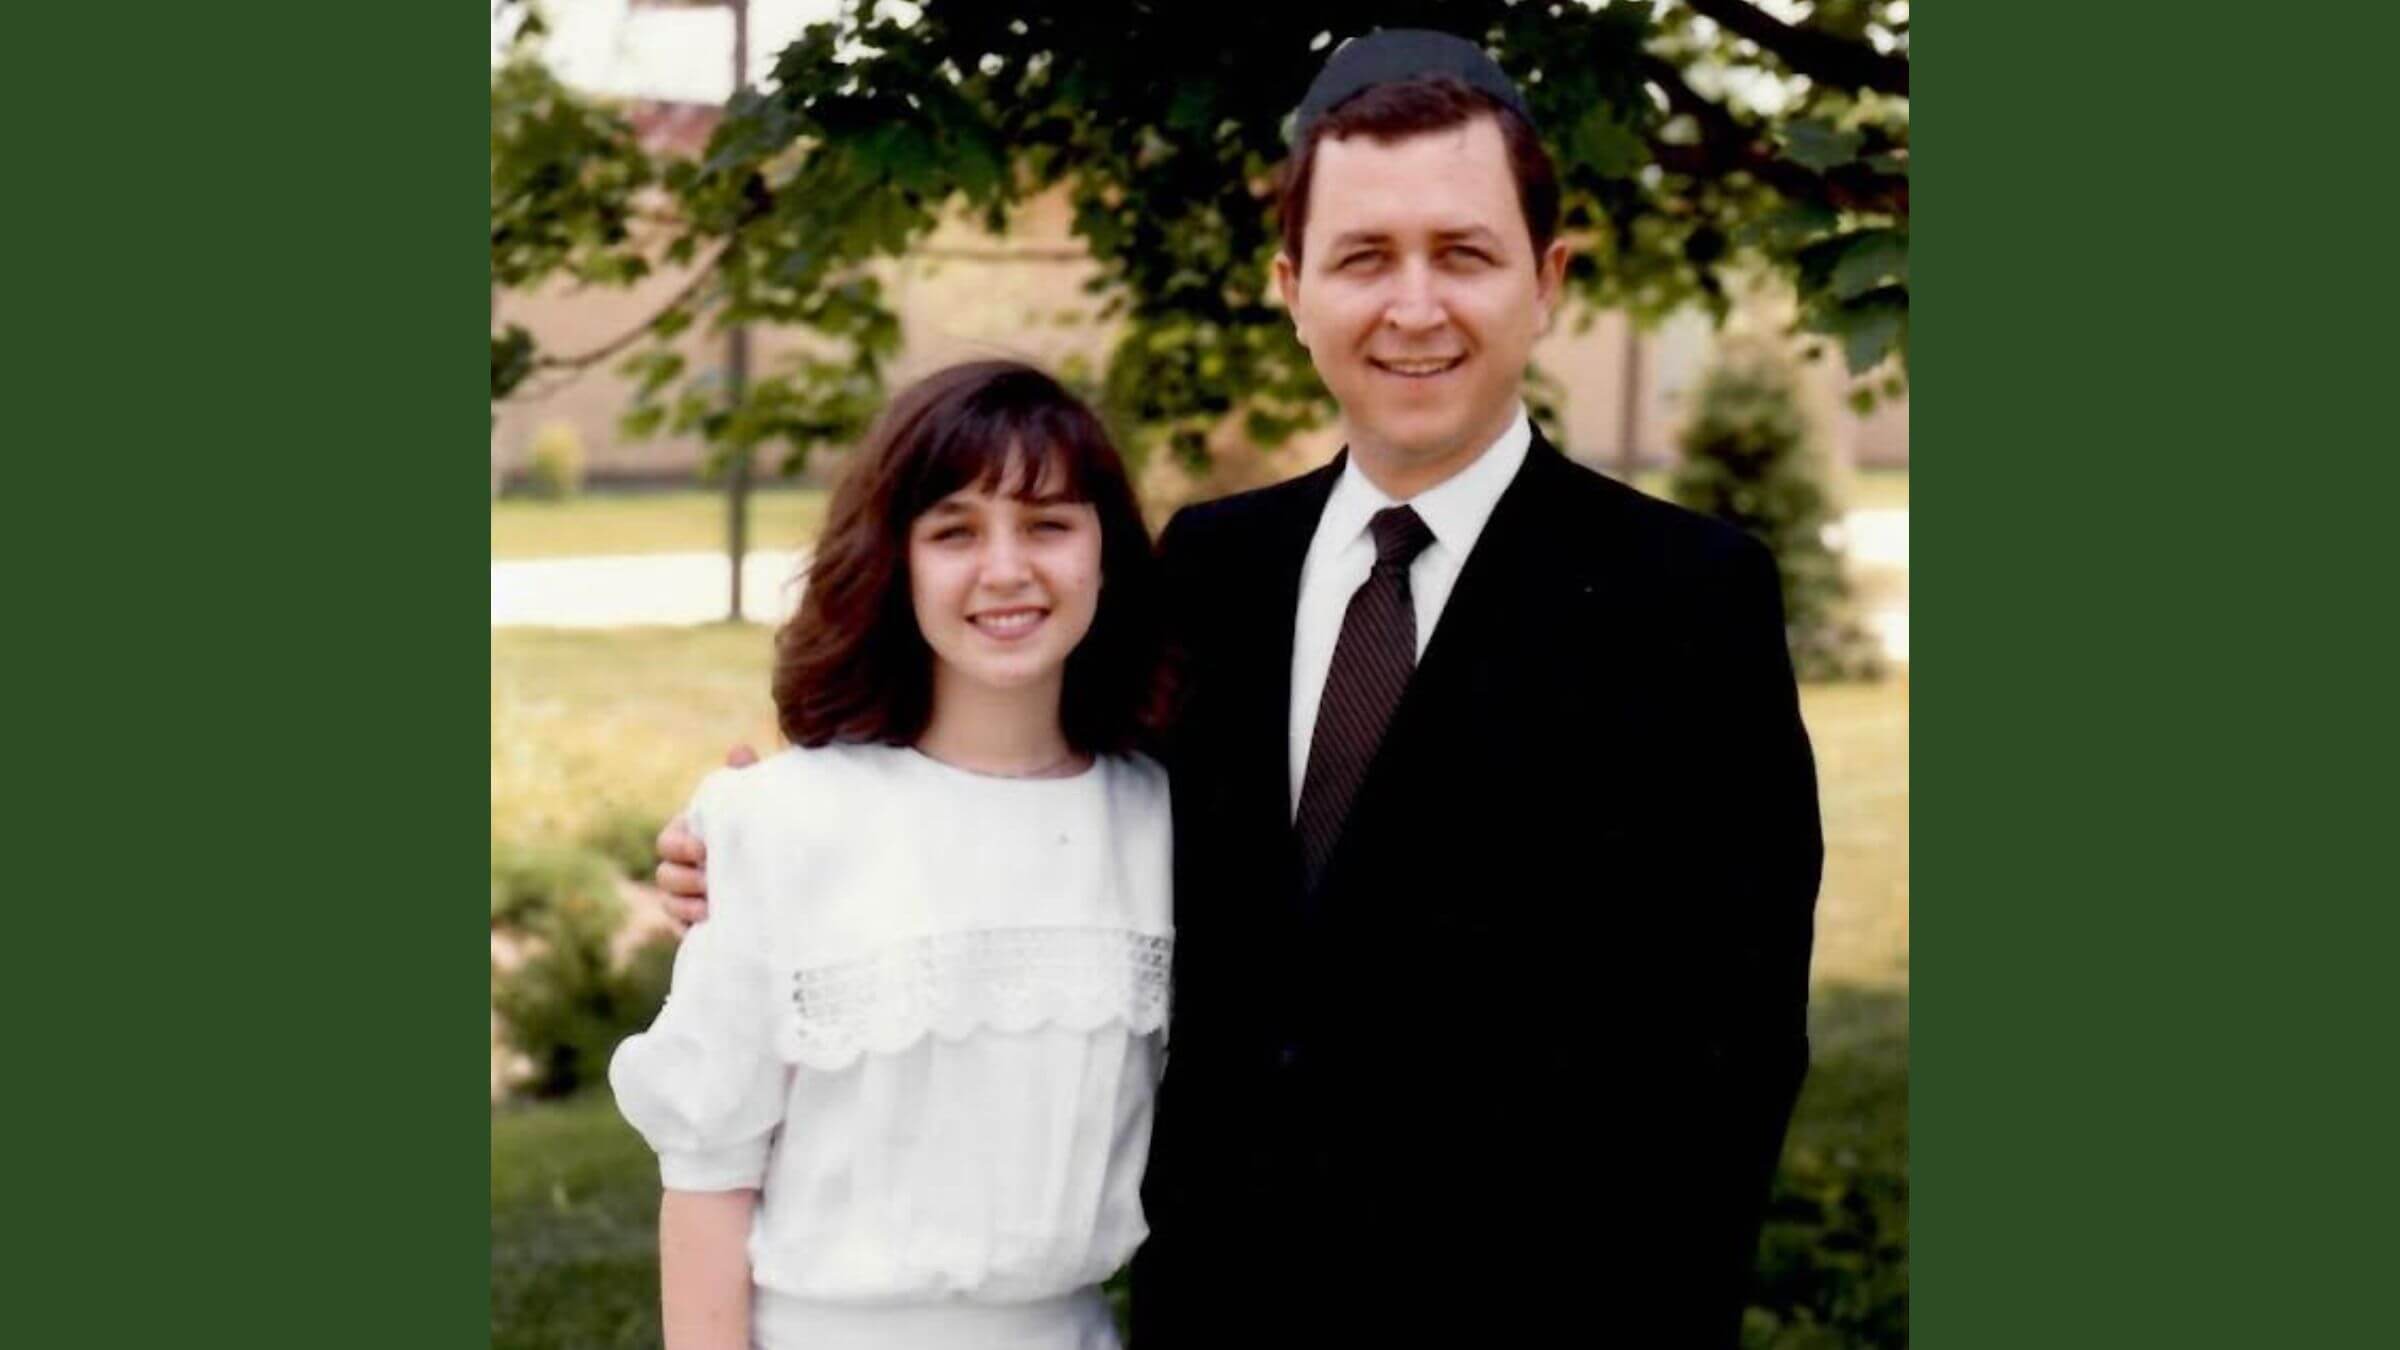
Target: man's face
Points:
(1419, 296)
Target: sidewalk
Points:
(618, 591)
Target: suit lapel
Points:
(1261, 682)
(1496, 574)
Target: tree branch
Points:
(618, 343)
(1726, 146)
(1021, 253)
(1819, 55)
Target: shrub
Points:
(1748, 459)
(554, 462)
(563, 999)
(526, 880)
(627, 838)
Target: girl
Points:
(901, 1089)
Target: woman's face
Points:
(1004, 587)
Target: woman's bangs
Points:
(1032, 458)
(1025, 448)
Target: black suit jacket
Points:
(1518, 1071)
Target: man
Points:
(1496, 826)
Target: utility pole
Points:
(1629, 402)
(737, 370)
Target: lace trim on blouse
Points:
(1004, 979)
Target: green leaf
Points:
(1816, 263)
(1814, 143)
(662, 369)
(1788, 226)
(1604, 142)
(642, 423)
(1872, 258)
(1872, 327)
(512, 360)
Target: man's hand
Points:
(683, 861)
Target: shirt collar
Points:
(1455, 509)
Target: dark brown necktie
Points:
(1371, 664)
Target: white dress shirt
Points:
(1342, 554)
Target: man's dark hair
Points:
(852, 664)
(1404, 108)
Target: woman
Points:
(901, 1088)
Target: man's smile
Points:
(1417, 367)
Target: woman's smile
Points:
(1008, 625)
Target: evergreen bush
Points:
(1749, 459)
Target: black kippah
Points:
(1401, 54)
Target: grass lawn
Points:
(684, 520)
(574, 1229)
(590, 728)
(600, 731)
(692, 520)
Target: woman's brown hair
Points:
(851, 664)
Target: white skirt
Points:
(1077, 1321)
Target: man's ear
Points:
(1550, 279)
(1287, 285)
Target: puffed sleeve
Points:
(704, 1084)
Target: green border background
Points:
(2147, 1083)
(248, 535)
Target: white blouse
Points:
(924, 1019)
